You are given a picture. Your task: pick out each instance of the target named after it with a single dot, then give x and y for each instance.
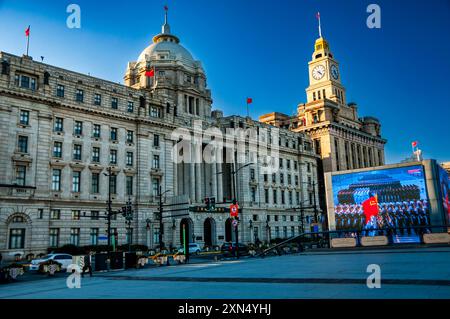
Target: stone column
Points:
(198, 182)
(219, 182)
(214, 181)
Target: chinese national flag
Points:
(414, 144)
(150, 73)
(370, 207)
(27, 31)
(249, 100)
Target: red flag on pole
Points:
(150, 73)
(318, 15)
(414, 144)
(370, 207)
(27, 31)
(249, 100)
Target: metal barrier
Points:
(323, 239)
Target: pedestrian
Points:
(87, 266)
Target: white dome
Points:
(173, 49)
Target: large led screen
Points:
(444, 185)
(393, 199)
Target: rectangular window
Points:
(95, 183)
(16, 238)
(155, 186)
(274, 196)
(97, 99)
(129, 185)
(274, 178)
(113, 134)
(96, 154)
(113, 157)
(94, 236)
(114, 103)
(266, 196)
(252, 174)
(96, 131)
(40, 213)
(22, 144)
(56, 180)
(288, 164)
(155, 161)
(79, 96)
(113, 184)
(130, 107)
(55, 214)
(297, 197)
(24, 117)
(253, 194)
(57, 149)
(281, 178)
(54, 237)
(281, 163)
(95, 215)
(77, 152)
(277, 232)
(130, 136)
(58, 125)
(282, 198)
(155, 111)
(76, 215)
(266, 178)
(78, 128)
(60, 90)
(129, 159)
(156, 140)
(76, 179)
(75, 236)
(290, 198)
(21, 172)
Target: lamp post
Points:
(234, 172)
(109, 208)
(161, 225)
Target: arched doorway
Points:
(209, 231)
(229, 234)
(188, 226)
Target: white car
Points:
(64, 259)
(194, 248)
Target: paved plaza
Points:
(405, 273)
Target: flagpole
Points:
(247, 109)
(28, 39)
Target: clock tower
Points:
(324, 75)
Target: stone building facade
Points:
(61, 131)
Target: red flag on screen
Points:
(370, 207)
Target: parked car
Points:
(64, 259)
(194, 248)
(231, 248)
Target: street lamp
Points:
(161, 244)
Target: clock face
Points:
(318, 72)
(334, 72)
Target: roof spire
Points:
(166, 27)
(320, 29)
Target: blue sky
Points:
(261, 48)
